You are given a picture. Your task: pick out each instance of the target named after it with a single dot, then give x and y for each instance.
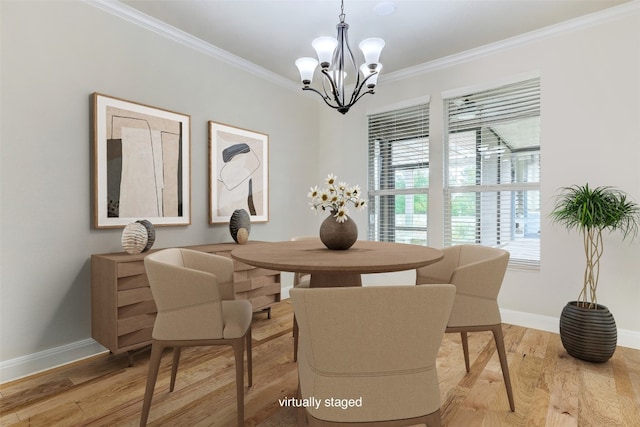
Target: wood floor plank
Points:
(565, 390)
(551, 388)
(537, 415)
(533, 343)
(632, 362)
(524, 371)
(597, 407)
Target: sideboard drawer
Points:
(122, 307)
(132, 268)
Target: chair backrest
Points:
(375, 345)
(186, 290)
(477, 273)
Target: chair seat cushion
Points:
(236, 316)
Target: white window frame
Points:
(524, 252)
(415, 139)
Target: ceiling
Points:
(274, 33)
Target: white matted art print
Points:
(238, 173)
(142, 164)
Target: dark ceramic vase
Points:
(239, 219)
(588, 334)
(338, 235)
(151, 232)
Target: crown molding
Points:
(571, 25)
(162, 28)
(157, 26)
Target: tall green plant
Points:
(592, 211)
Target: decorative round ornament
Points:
(134, 238)
(240, 219)
(151, 233)
(242, 236)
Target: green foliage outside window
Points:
(421, 180)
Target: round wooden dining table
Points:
(329, 268)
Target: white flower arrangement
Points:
(336, 198)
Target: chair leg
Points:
(154, 365)
(238, 350)
(303, 418)
(249, 358)
(174, 367)
(465, 349)
(295, 339)
(502, 354)
(434, 419)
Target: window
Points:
(492, 170)
(399, 175)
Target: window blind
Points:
(399, 175)
(492, 170)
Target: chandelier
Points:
(335, 57)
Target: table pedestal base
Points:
(333, 280)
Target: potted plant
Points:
(587, 328)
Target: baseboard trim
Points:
(32, 364)
(35, 363)
(626, 338)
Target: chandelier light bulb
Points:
(325, 46)
(306, 66)
(367, 71)
(371, 48)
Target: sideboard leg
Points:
(132, 353)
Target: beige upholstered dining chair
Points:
(300, 280)
(477, 272)
(194, 294)
(368, 355)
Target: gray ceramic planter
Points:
(588, 334)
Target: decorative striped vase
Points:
(588, 334)
(138, 236)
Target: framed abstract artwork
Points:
(142, 164)
(238, 173)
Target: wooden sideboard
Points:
(122, 307)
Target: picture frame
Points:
(142, 164)
(238, 173)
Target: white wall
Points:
(590, 83)
(54, 55)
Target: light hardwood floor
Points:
(551, 388)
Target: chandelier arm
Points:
(334, 89)
(324, 98)
(353, 60)
(324, 89)
(353, 65)
(356, 91)
(361, 95)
